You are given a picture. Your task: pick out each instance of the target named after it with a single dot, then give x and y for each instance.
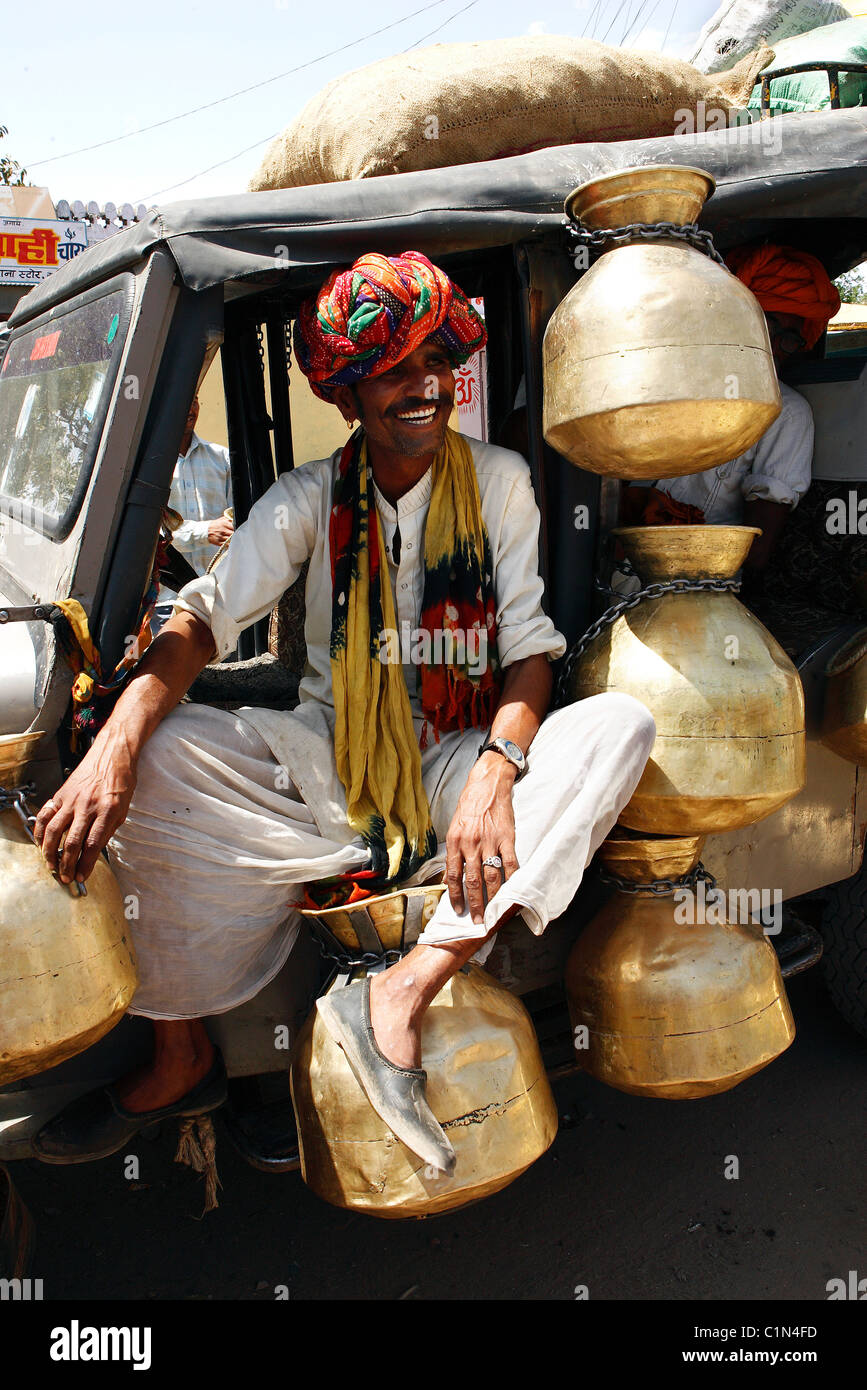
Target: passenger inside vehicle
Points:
(764, 485)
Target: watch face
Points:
(512, 750)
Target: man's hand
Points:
(483, 825)
(95, 798)
(87, 809)
(220, 530)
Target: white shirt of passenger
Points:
(776, 469)
(201, 491)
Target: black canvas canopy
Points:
(808, 169)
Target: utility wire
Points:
(633, 29)
(617, 13)
(441, 26)
(596, 15)
(232, 157)
(242, 91)
(627, 21)
(670, 22)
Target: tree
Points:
(852, 287)
(11, 172)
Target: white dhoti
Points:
(218, 843)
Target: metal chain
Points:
(607, 237)
(666, 586)
(348, 962)
(660, 887)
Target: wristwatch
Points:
(510, 751)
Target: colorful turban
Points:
(366, 319)
(786, 281)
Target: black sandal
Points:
(97, 1124)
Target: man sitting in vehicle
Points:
(394, 765)
(762, 486)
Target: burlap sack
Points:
(739, 26)
(462, 102)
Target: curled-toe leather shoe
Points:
(397, 1094)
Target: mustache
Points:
(419, 403)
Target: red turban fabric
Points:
(786, 281)
(366, 319)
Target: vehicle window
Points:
(55, 383)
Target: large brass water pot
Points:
(486, 1085)
(664, 1006)
(728, 703)
(844, 714)
(67, 972)
(658, 361)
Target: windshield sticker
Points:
(112, 329)
(45, 346)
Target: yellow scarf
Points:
(377, 752)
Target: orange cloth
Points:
(786, 281)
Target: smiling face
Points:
(405, 411)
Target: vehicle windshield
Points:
(55, 383)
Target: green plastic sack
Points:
(809, 91)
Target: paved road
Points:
(631, 1201)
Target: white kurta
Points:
(289, 525)
(233, 813)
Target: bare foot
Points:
(183, 1056)
(397, 1036)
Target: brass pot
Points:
(728, 703)
(486, 1084)
(67, 972)
(658, 361)
(844, 715)
(388, 922)
(670, 1009)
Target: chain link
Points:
(666, 586)
(347, 962)
(660, 887)
(607, 237)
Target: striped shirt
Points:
(201, 491)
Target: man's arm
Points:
(192, 533)
(484, 822)
(95, 798)
(771, 518)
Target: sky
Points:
(88, 74)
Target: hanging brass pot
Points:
(728, 703)
(667, 1008)
(657, 362)
(67, 972)
(486, 1084)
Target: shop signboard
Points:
(33, 247)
